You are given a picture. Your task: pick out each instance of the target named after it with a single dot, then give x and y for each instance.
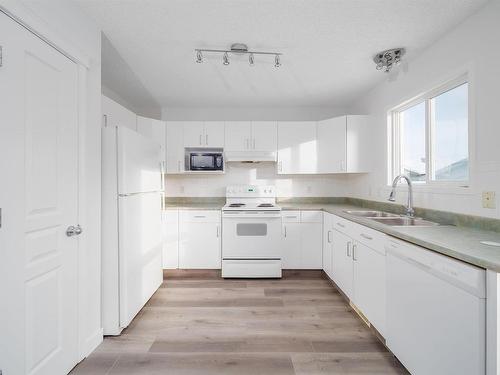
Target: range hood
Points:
(250, 156)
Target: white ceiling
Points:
(327, 44)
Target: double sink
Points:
(393, 220)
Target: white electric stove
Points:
(251, 232)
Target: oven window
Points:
(251, 229)
(202, 161)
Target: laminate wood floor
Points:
(200, 324)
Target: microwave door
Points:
(202, 162)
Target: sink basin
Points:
(371, 214)
(405, 222)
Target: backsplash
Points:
(256, 174)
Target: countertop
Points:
(459, 242)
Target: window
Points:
(430, 136)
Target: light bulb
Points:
(225, 59)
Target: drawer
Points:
(290, 216)
(311, 216)
(342, 225)
(369, 237)
(200, 216)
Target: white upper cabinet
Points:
(238, 135)
(332, 145)
(214, 134)
(203, 134)
(115, 114)
(194, 133)
(343, 145)
(358, 144)
(259, 136)
(175, 148)
(264, 136)
(156, 130)
(297, 148)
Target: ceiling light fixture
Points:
(238, 49)
(386, 60)
(225, 59)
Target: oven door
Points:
(251, 235)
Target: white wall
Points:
(258, 174)
(65, 25)
(473, 46)
(250, 113)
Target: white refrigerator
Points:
(132, 191)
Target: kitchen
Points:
(249, 187)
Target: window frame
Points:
(395, 134)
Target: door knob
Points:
(73, 230)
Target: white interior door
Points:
(39, 159)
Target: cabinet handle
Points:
(254, 143)
(217, 231)
(285, 230)
(329, 236)
(340, 225)
(366, 236)
(348, 250)
(105, 120)
(206, 139)
(199, 216)
(354, 247)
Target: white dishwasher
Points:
(436, 314)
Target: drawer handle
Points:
(366, 236)
(329, 236)
(199, 216)
(290, 217)
(341, 225)
(354, 247)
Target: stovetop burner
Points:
(266, 205)
(237, 205)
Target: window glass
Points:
(412, 128)
(449, 121)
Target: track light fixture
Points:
(386, 60)
(238, 49)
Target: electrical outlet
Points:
(489, 200)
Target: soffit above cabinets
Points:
(327, 46)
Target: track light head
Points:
(199, 57)
(277, 62)
(225, 59)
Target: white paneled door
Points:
(39, 186)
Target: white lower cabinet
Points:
(199, 239)
(358, 266)
(171, 239)
(302, 240)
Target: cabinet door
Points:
(175, 149)
(194, 134)
(264, 136)
(291, 246)
(358, 144)
(214, 134)
(369, 284)
(155, 130)
(171, 239)
(342, 262)
(117, 115)
(311, 245)
(328, 244)
(199, 245)
(237, 135)
(297, 147)
(332, 145)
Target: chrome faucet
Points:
(392, 197)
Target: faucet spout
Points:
(410, 211)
